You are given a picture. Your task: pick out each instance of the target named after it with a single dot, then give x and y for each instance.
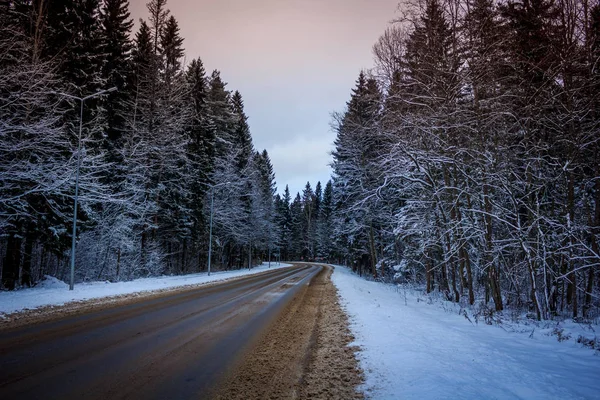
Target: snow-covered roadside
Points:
(414, 350)
(55, 292)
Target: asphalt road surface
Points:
(177, 346)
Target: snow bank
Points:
(413, 350)
(50, 282)
(52, 291)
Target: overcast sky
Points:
(294, 62)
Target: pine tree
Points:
(116, 71)
(357, 146)
(242, 141)
(159, 16)
(173, 117)
(263, 207)
(171, 44)
(221, 114)
(284, 223)
(201, 146)
(325, 233)
(297, 251)
(142, 54)
(308, 222)
(161, 118)
(241, 152)
(431, 68)
(81, 50)
(318, 199)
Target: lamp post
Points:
(212, 200)
(81, 101)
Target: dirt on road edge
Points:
(306, 354)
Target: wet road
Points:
(173, 347)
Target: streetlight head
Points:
(112, 89)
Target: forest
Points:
(468, 159)
(162, 140)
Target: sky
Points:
(294, 62)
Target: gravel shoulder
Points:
(306, 354)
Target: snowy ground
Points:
(55, 292)
(416, 350)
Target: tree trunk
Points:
(534, 295)
(574, 294)
(43, 262)
(451, 263)
(428, 273)
(26, 272)
(571, 213)
(454, 289)
(461, 271)
(495, 288)
(143, 248)
(587, 302)
(183, 256)
(12, 261)
(467, 260)
(487, 290)
(373, 254)
(493, 275)
(554, 297)
(118, 263)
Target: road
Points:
(173, 347)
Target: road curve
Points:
(174, 347)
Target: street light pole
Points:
(212, 200)
(73, 236)
(73, 240)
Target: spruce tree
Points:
(284, 222)
(116, 71)
(201, 132)
(297, 250)
(241, 152)
(242, 141)
(431, 73)
(171, 44)
(159, 16)
(356, 173)
(325, 232)
(221, 114)
(263, 206)
(308, 222)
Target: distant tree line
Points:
(469, 159)
(304, 224)
(154, 152)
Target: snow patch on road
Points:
(414, 350)
(52, 291)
